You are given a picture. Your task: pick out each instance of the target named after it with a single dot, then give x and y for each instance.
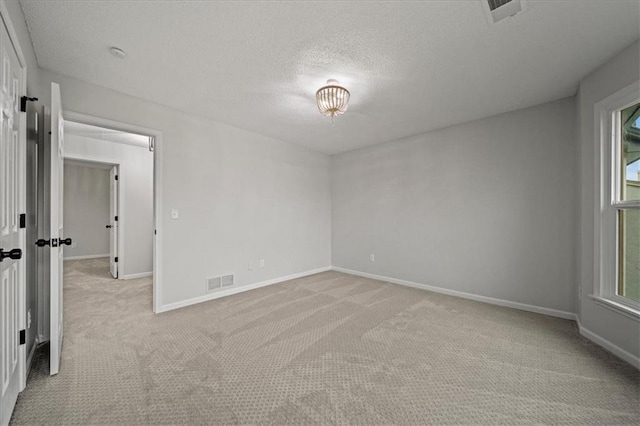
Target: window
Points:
(617, 272)
(628, 285)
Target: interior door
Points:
(113, 225)
(58, 241)
(10, 244)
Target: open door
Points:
(58, 241)
(113, 225)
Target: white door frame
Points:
(87, 158)
(22, 195)
(114, 220)
(157, 191)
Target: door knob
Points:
(66, 241)
(108, 226)
(15, 254)
(42, 243)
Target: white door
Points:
(57, 232)
(11, 182)
(113, 224)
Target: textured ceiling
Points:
(411, 67)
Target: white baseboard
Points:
(30, 355)
(88, 256)
(241, 289)
(614, 349)
(471, 296)
(134, 276)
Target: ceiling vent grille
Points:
(497, 10)
(216, 283)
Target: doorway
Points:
(114, 170)
(145, 138)
(108, 220)
(91, 214)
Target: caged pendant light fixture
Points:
(332, 99)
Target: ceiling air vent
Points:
(497, 10)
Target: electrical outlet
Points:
(262, 263)
(29, 318)
(372, 257)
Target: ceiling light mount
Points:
(332, 99)
(117, 52)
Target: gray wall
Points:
(86, 210)
(136, 183)
(242, 197)
(485, 207)
(619, 72)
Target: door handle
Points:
(108, 226)
(15, 254)
(66, 241)
(42, 243)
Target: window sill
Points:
(616, 307)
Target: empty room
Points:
(320, 212)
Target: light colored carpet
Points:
(326, 349)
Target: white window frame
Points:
(607, 200)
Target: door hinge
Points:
(23, 220)
(116, 218)
(116, 177)
(23, 337)
(116, 259)
(23, 102)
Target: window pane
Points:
(629, 271)
(630, 130)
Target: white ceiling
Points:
(411, 67)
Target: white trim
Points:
(135, 276)
(471, 296)
(157, 189)
(4, 12)
(236, 290)
(614, 349)
(606, 200)
(616, 307)
(87, 256)
(30, 356)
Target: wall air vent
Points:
(226, 280)
(497, 10)
(213, 284)
(216, 283)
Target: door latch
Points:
(42, 243)
(15, 254)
